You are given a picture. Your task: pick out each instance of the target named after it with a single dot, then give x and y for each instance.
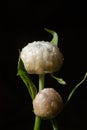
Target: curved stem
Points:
(41, 86)
(54, 124)
(75, 88)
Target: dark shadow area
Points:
(23, 22)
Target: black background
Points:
(24, 21)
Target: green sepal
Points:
(59, 80)
(26, 79)
(75, 88)
(54, 40)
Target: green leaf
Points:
(54, 40)
(59, 80)
(26, 79)
(75, 88)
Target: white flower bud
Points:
(47, 103)
(41, 57)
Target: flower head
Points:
(47, 103)
(41, 57)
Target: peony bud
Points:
(41, 57)
(47, 103)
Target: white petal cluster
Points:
(47, 103)
(41, 57)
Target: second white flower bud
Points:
(47, 103)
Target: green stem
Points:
(41, 86)
(37, 123)
(54, 124)
(41, 81)
(75, 88)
